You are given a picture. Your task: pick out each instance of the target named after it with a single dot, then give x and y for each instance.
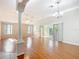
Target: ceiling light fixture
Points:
(51, 6)
(58, 9)
(57, 1)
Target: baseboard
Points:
(71, 43)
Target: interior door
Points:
(55, 32)
(58, 31)
(41, 31)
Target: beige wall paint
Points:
(15, 31)
(0, 30)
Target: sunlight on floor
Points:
(9, 45)
(50, 44)
(29, 42)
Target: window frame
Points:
(8, 29)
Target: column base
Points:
(21, 41)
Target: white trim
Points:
(71, 43)
(65, 11)
(62, 12)
(70, 9)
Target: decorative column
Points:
(20, 27)
(20, 8)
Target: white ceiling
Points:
(35, 9)
(41, 8)
(8, 10)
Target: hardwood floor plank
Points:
(40, 50)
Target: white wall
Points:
(71, 27)
(60, 31)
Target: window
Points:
(29, 29)
(8, 28)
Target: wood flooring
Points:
(49, 49)
(43, 49)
